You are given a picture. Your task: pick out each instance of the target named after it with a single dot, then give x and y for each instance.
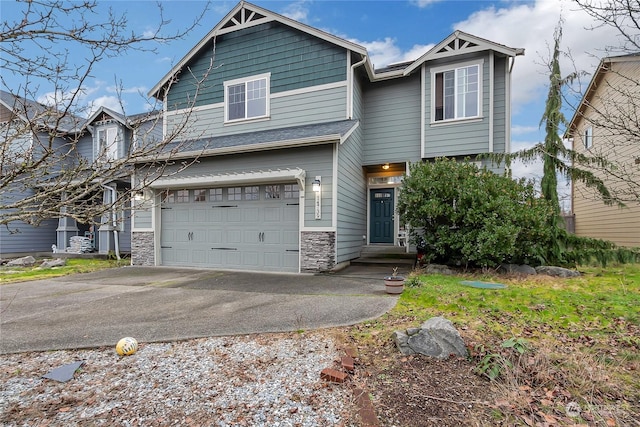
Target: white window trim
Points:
(587, 137)
(453, 67)
(112, 151)
(244, 80)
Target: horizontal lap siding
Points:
(293, 110)
(592, 217)
(295, 60)
(26, 237)
(352, 202)
(315, 160)
(458, 138)
(392, 121)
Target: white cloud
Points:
(298, 11)
(520, 130)
(424, 3)
(110, 102)
(531, 26)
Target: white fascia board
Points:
(252, 177)
(349, 132)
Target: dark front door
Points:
(381, 213)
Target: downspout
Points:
(116, 240)
(352, 77)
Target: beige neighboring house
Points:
(606, 124)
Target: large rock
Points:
(437, 269)
(22, 262)
(437, 337)
(58, 262)
(557, 271)
(517, 269)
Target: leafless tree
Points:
(43, 173)
(614, 110)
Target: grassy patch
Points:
(74, 265)
(546, 342)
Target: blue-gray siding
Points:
(315, 160)
(295, 60)
(392, 121)
(461, 138)
(328, 105)
(500, 105)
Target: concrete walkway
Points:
(168, 304)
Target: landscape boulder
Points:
(58, 262)
(22, 262)
(557, 271)
(517, 269)
(437, 269)
(437, 337)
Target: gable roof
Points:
(245, 15)
(458, 43)
(41, 115)
(599, 74)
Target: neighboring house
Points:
(606, 124)
(301, 144)
(105, 137)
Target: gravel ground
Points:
(270, 379)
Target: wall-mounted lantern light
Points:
(316, 184)
(138, 196)
(385, 166)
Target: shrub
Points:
(473, 216)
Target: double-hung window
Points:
(107, 144)
(588, 137)
(246, 99)
(456, 92)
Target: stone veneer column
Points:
(317, 251)
(142, 248)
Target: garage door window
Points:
(291, 191)
(272, 192)
(234, 193)
(199, 195)
(252, 193)
(215, 194)
(182, 196)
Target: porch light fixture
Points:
(316, 184)
(385, 166)
(138, 195)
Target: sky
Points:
(391, 31)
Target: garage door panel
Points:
(238, 234)
(251, 215)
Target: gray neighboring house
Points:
(301, 143)
(104, 136)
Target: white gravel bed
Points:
(259, 380)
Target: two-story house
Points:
(29, 130)
(301, 144)
(606, 124)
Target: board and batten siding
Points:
(295, 60)
(316, 160)
(392, 121)
(457, 138)
(316, 105)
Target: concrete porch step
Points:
(385, 255)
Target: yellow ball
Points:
(127, 346)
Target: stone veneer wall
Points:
(317, 251)
(142, 248)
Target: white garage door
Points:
(241, 228)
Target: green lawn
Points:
(74, 265)
(580, 338)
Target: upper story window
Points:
(588, 137)
(106, 144)
(246, 99)
(456, 92)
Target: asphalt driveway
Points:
(168, 304)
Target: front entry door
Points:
(381, 212)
